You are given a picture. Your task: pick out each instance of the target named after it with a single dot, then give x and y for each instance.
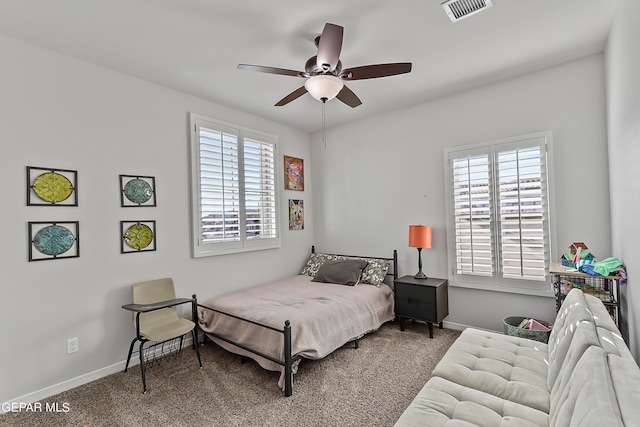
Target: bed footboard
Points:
(289, 359)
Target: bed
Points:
(335, 300)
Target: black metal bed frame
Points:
(289, 359)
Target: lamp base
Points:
(420, 275)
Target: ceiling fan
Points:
(324, 71)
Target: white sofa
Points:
(585, 376)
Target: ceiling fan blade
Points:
(329, 47)
(347, 96)
(293, 95)
(272, 70)
(375, 71)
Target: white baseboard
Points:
(46, 392)
(454, 326)
(461, 327)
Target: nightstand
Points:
(421, 299)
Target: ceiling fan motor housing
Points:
(313, 69)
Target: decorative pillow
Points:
(342, 272)
(375, 271)
(316, 260)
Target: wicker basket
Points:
(511, 328)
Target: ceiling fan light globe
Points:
(324, 87)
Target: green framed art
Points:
(137, 236)
(51, 187)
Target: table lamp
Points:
(420, 237)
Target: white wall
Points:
(377, 176)
(623, 69)
(58, 112)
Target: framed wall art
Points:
(137, 191)
(293, 173)
(51, 187)
(53, 240)
(137, 236)
(296, 214)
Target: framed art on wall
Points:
(293, 173)
(137, 236)
(51, 187)
(296, 214)
(136, 190)
(53, 240)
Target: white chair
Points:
(155, 317)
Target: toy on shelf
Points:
(578, 256)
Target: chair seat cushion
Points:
(165, 329)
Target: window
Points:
(498, 214)
(235, 206)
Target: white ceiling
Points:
(194, 46)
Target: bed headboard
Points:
(392, 272)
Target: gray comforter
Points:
(323, 316)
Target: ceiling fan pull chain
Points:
(324, 127)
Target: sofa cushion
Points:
(583, 336)
(574, 315)
(601, 317)
(585, 396)
(610, 338)
(625, 377)
(445, 403)
(507, 367)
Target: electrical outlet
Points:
(72, 345)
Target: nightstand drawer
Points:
(413, 292)
(414, 308)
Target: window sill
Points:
(203, 253)
(512, 290)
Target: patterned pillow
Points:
(316, 260)
(373, 274)
(375, 271)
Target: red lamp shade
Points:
(420, 236)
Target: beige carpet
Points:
(369, 386)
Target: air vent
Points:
(460, 9)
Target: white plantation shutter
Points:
(260, 189)
(472, 212)
(522, 216)
(234, 189)
(498, 225)
(219, 186)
